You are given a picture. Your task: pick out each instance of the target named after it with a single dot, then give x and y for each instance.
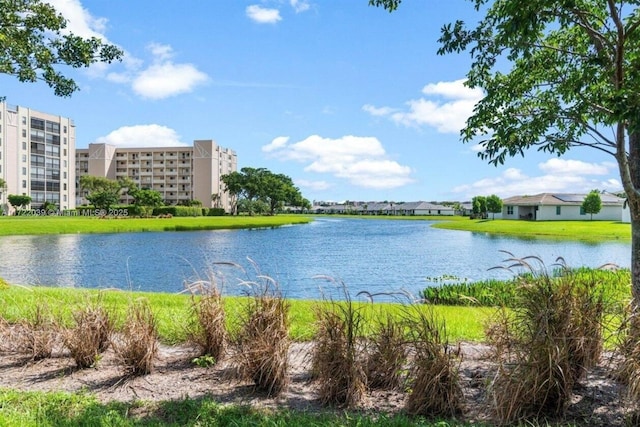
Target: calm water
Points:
(371, 255)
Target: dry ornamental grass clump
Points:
(137, 343)
(545, 345)
(90, 336)
(207, 329)
(386, 354)
(336, 363)
(263, 338)
(37, 334)
(434, 380)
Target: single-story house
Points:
(562, 207)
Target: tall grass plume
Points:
(137, 343)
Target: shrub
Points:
(263, 338)
(386, 355)
(545, 344)
(215, 212)
(434, 378)
(137, 345)
(335, 359)
(178, 210)
(207, 329)
(37, 333)
(90, 336)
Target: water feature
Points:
(371, 255)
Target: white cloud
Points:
(313, 185)
(263, 15)
(362, 161)
(143, 136)
(449, 106)
(277, 143)
(374, 111)
(164, 78)
(557, 166)
(299, 5)
(453, 90)
(559, 176)
(79, 21)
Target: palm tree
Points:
(3, 187)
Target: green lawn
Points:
(76, 224)
(592, 231)
(172, 311)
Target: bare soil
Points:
(597, 401)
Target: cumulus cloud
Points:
(152, 135)
(558, 176)
(277, 143)
(362, 161)
(163, 78)
(446, 107)
(313, 185)
(263, 15)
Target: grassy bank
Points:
(72, 225)
(172, 311)
(27, 409)
(591, 231)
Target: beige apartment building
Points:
(179, 174)
(37, 157)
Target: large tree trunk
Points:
(631, 187)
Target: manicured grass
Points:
(37, 409)
(77, 224)
(172, 311)
(592, 231)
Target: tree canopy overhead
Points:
(34, 44)
(556, 75)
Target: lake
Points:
(377, 256)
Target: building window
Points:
(64, 129)
(24, 158)
(24, 133)
(558, 210)
(509, 210)
(24, 120)
(24, 184)
(24, 171)
(64, 175)
(64, 140)
(582, 212)
(24, 145)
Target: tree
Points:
(555, 76)
(216, 198)
(19, 200)
(49, 206)
(592, 203)
(146, 200)
(479, 206)
(494, 205)
(33, 44)
(233, 183)
(103, 193)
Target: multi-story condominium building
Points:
(180, 174)
(37, 157)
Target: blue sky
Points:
(350, 101)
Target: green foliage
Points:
(178, 211)
(494, 204)
(104, 193)
(592, 203)
(496, 293)
(256, 190)
(34, 43)
(205, 361)
(479, 206)
(49, 206)
(19, 200)
(215, 212)
(3, 284)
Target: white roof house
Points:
(562, 207)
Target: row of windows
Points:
(48, 186)
(558, 210)
(40, 124)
